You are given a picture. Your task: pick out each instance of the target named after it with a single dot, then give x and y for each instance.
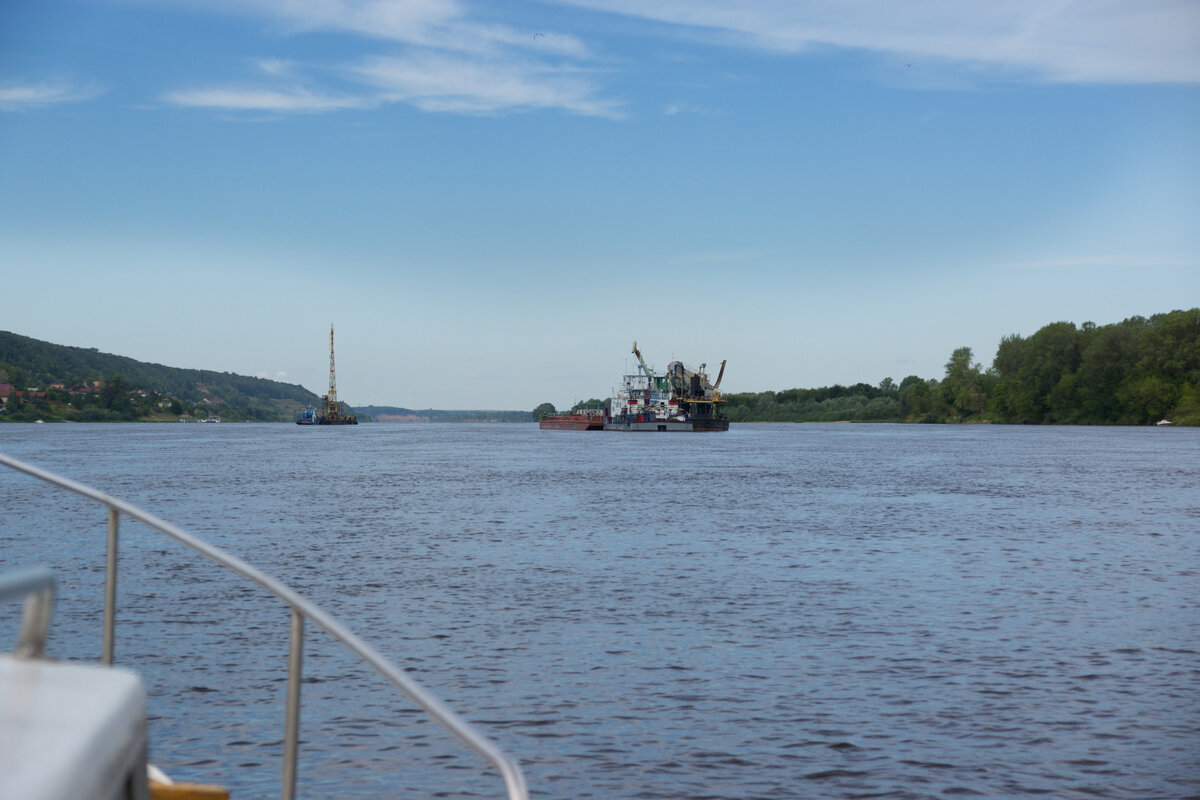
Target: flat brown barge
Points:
(577, 421)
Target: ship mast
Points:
(331, 400)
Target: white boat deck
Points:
(58, 717)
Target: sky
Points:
(492, 201)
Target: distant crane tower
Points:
(333, 409)
(332, 397)
(330, 412)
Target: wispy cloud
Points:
(447, 56)
(281, 88)
(441, 60)
(441, 24)
(1061, 41)
(277, 66)
(236, 99)
(428, 81)
(674, 109)
(23, 97)
(441, 83)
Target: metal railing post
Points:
(110, 590)
(36, 586)
(291, 733)
(302, 609)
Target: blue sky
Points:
(492, 201)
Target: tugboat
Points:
(679, 401)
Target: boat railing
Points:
(35, 586)
(34, 583)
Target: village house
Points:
(17, 396)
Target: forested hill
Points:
(1135, 372)
(31, 363)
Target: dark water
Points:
(775, 612)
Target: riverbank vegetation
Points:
(51, 382)
(1135, 372)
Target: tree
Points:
(1063, 400)
(1148, 399)
(114, 394)
(1104, 365)
(1187, 410)
(918, 400)
(18, 378)
(543, 410)
(1048, 355)
(963, 387)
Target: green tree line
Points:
(548, 408)
(1134, 372)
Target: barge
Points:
(584, 419)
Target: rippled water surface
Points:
(778, 611)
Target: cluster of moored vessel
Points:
(679, 400)
(331, 412)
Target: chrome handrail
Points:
(302, 609)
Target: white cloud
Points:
(674, 109)
(441, 24)
(439, 83)
(438, 56)
(277, 66)
(237, 99)
(22, 97)
(443, 61)
(1113, 41)
(429, 81)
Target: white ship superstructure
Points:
(680, 400)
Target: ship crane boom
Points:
(641, 361)
(720, 374)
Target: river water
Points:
(774, 612)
